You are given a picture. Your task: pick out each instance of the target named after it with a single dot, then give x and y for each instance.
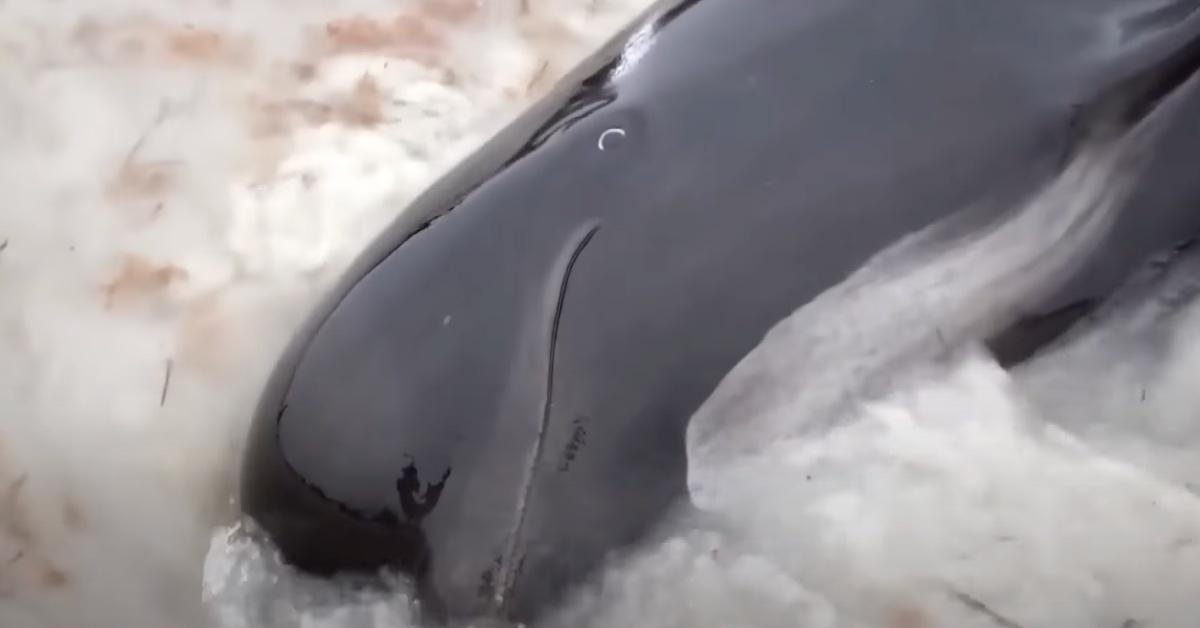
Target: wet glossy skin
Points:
(498, 399)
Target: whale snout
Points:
(404, 428)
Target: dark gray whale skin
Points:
(494, 398)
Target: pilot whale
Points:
(572, 331)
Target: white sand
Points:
(181, 180)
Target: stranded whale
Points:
(498, 393)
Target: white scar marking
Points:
(608, 133)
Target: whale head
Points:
(496, 398)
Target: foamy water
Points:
(181, 180)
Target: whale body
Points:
(497, 395)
